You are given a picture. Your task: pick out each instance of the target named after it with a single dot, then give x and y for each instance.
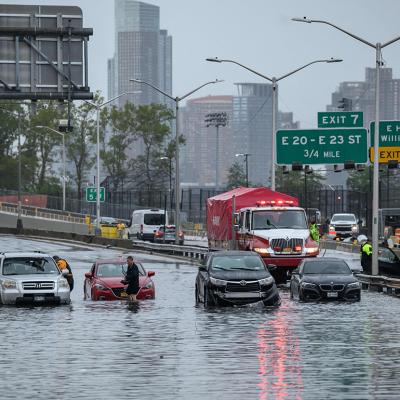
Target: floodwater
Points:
(170, 349)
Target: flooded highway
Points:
(170, 349)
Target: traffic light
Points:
(392, 164)
(307, 169)
(345, 104)
(336, 168)
(285, 170)
(297, 166)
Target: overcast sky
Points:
(261, 35)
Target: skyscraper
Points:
(142, 51)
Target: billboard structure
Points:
(43, 53)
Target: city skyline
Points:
(261, 36)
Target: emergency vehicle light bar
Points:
(274, 202)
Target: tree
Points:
(360, 180)
(236, 176)
(153, 131)
(294, 181)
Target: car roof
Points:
(233, 253)
(323, 259)
(31, 254)
(116, 260)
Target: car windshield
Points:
(326, 267)
(251, 263)
(108, 270)
(154, 219)
(29, 266)
(269, 219)
(344, 217)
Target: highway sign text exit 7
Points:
(321, 146)
(340, 119)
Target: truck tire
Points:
(280, 275)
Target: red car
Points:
(103, 282)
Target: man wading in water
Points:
(132, 279)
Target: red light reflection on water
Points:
(279, 361)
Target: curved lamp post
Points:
(274, 82)
(375, 187)
(177, 180)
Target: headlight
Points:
(217, 282)
(148, 285)
(261, 250)
(266, 281)
(311, 249)
(99, 286)
(9, 284)
(308, 285)
(354, 228)
(354, 285)
(63, 283)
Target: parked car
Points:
(342, 226)
(324, 278)
(168, 236)
(32, 278)
(106, 221)
(103, 282)
(235, 278)
(144, 223)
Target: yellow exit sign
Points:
(386, 154)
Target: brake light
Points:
(180, 234)
(158, 234)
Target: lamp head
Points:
(39, 126)
(334, 60)
(304, 19)
(214, 60)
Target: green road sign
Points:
(340, 119)
(389, 133)
(321, 146)
(91, 194)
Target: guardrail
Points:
(31, 211)
(380, 283)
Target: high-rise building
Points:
(362, 96)
(198, 156)
(142, 51)
(252, 125)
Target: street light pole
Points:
(274, 82)
(63, 178)
(98, 107)
(375, 189)
(19, 206)
(177, 131)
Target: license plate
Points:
(39, 298)
(124, 294)
(332, 294)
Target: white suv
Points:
(31, 278)
(343, 225)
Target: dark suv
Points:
(235, 278)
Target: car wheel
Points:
(209, 300)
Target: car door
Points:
(388, 262)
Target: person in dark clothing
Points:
(366, 257)
(132, 278)
(63, 264)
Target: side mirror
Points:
(271, 267)
(150, 273)
(87, 275)
(202, 268)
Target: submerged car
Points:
(168, 236)
(103, 282)
(32, 278)
(324, 279)
(388, 262)
(235, 278)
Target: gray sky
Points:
(259, 34)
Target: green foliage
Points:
(294, 181)
(236, 176)
(359, 180)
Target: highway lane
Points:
(170, 349)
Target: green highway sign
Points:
(91, 194)
(389, 133)
(321, 146)
(340, 119)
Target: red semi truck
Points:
(261, 220)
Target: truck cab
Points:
(279, 233)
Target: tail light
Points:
(158, 234)
(180, 234)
